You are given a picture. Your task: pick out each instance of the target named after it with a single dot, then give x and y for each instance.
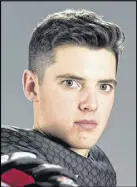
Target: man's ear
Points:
(29, 83)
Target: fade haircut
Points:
(74, 27)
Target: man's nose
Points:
(89, 101)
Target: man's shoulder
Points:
(14, 138)
(102, 159)
(98, 154)
(15, 134)
(12, 131)
(12, 128)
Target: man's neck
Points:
(82, 152)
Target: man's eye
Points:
(106, 87)
(70, 83)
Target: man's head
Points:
(73, 58)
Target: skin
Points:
(59, 102)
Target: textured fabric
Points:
(96, 170)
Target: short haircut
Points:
(77, 27)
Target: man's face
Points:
(64, 99)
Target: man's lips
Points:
(86, 124)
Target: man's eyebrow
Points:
(70, 76)
(106, 81)
(75, 77)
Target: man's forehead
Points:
(86, 68)
(85, 59)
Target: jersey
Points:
(95, 170)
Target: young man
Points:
(71, 81)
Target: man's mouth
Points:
(86, 124)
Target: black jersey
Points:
(95, 170)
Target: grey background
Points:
(118, 139)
